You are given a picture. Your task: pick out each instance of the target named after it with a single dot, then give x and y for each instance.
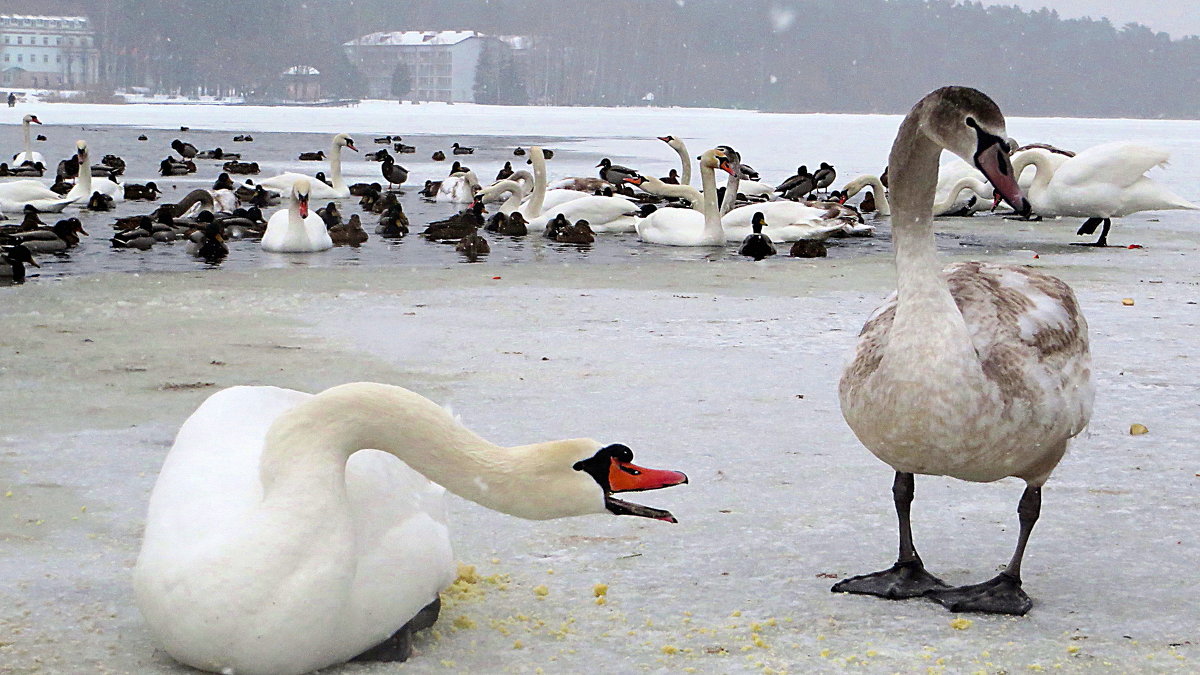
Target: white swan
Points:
(978, 371)
(604, 214)
(882, 206)
(85, 185)
(458, 188)
(787, 220)
(274, 546)
(689, 227)
(950, 201)
(752, 188)
(685, 159)
(1101, 183)
(16, 195)
(514, 189)
(294, 229)
(28, 155)
(339, 190)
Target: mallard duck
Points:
(350, 234)
(756, 244)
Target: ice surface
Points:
(726, 370)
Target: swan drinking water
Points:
(978, 371)
(288, 532)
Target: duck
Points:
(143, 137)
(614, 174)
(672, 177)
(99, 202)
(1100, 183)
(186, 150)
(689, 227)
(13, 259)
(140, 238)
(62, 235)
(173, 167)
(243, 138)
(218, 153)
(241, 168)
(519, 152)
(383, 140)
(265, 503)
(28, 170)
(808, 248)
(473, 245)
(505, 171)
(393, 173)
(438, 156)
(462, 150)
(978, 371)
(756, 244)
(28, 155)
(555, 226)
(457, 225)
(393, 224)
(330, 215)
(148, 192)
(294, 229)
(510, 224)
(824, 176)
(350, 234)
(318, 156)
(431, 189)
(338, 190)
(867, 205)
(579, 233)
(211, 246)
(223, 182)
(403, 149)
(377, 156)
(321, 179)
(364, 189)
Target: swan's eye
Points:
(629, 470)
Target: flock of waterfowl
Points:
(273, 546)
(803, 210)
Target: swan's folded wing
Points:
(1119, 164)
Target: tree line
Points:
(778, 55)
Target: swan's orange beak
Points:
(350, 144)
(993, 162)
(629, 477)
(727, 167)
(664, 139)
(35, 120)
(303, 199)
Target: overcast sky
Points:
(1177, 17)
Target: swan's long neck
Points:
(927, 317)
(307, 448)
(85, 174)
(683, 191)
(965, 183)
(714, 232)
(1043, 170)
(534, 208)
(731, 190)
(516, 195)
(28, 145)
(686, 159)
(867, 180)
(335, 167)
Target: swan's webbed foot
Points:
(903, 580)
(399, 647)
(1000, 595)
(396, 649)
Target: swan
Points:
(656, 186)
(339, 190)
(28, 155)
(85, 185)
(978, 371)
(789, 221)
(1101, 183)
(604, 214)
(458, 188)
(982, 194)
(689, 227)
(752, 188)
(274, 546)
(882, 206)
(15, 195)
(684, 158)
(294, 229)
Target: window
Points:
(45, 41)
(20, 40)
(45, 58)
(20, 58)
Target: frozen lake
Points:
(713, 365)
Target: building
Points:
(440, 65)
(301, 83)
(50, 52)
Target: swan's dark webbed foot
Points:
(1089, 226)
(399, 647)
(903, 580)
(1001, 595)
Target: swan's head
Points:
(344, 141)
(718, 158)
(81, 150)
(612, 471)
(28, 119)
(968, 123)
(300, 191)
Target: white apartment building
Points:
(47, 52)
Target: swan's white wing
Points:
(557, 197)
(672, 227)
(1119, 164)
(596, 210)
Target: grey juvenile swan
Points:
(978, 371)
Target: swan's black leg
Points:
(399, 646)
(1089, 226)
(907, 578)
(1002, 594)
